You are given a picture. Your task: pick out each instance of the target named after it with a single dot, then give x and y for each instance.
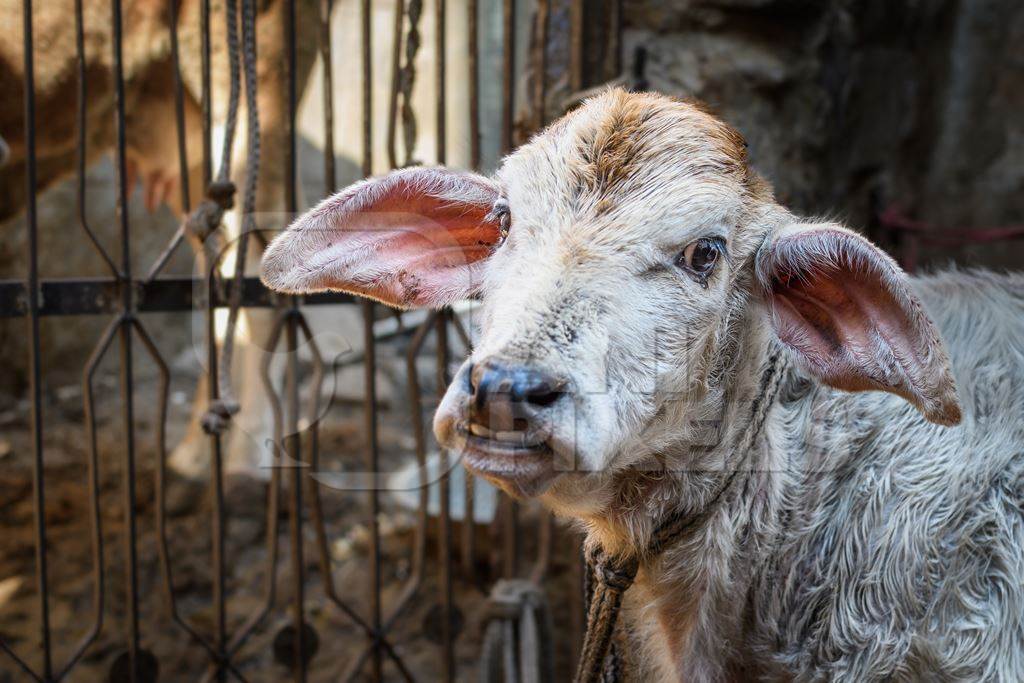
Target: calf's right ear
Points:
(415, 237)
(846, 311)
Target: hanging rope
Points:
(220, 411)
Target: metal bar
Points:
(292, 368)
(576, 56)
(127, 366)
(545, 538)
(179, 110)
(97, 296)
(274, 491)
(89, 409)
(330, 179)
(370, 361)
(468, 541)
(440, 17)
(179, 126)
(444, 513)
(25, 668)
(615, 34)
(204, 51)
(508, 75)
(473, 46)
(314, 493)
(540, 63)
(510, 537)
(417, 572)
(444, 518)
(372, 454)
(34, 361)
(217, 511)
(295, 509)
(217, 516)
(366, 30)
(80, 146)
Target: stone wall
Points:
(853, 105)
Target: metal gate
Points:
(368, 649)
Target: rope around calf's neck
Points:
(614, 574)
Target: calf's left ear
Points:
(414, 237)
(847, 312)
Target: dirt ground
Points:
(72, 584)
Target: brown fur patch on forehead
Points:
(623, 138)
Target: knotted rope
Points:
(221, 192)
(611, 575)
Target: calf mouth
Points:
(520, 462)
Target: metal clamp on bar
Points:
(517, 642)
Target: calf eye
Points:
(501, 213)
(700, 257)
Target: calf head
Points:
(625, 260)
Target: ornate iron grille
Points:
(123, 295)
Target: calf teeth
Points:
(510, 437)
(480, 430)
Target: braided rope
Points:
(408, 79)
(219, 413)
(612, 575)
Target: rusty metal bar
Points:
(291, 376)
(35, 367)
(127, 363)
(440, 17)
(370, 359)
(81, 143)
(615, 35)
(94, 296)
(366, 31)
(372, 455)
(509, 537)
(444, 518)
(205, 104)
(212, 384)
(577, 58)
(179, 109)
(295, 470)
(545, 539)
(508, 85)
(330, 179)
(473, 47)
(179, 125)
(96, 517)
(540, 63)
(376, 638)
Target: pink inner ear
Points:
(845, 309)
(847, 328)
(411, 238)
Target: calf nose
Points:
(508, 397)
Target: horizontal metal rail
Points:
(96, 296)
